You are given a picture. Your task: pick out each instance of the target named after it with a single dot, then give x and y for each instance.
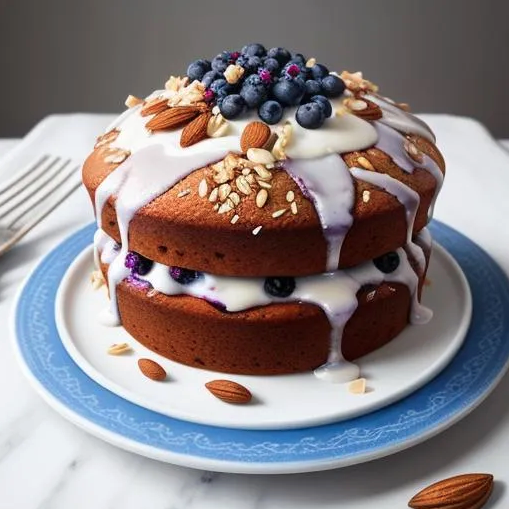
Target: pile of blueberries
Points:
(272, 80)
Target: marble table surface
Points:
(47, 463)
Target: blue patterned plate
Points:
(457, 390)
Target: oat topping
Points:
(366, 195)
(119, 349)
(278, 213)
(183, 193)
(364, 163)
(356, 83)
(97, 279)
(357, 386)
(116, 156)
(261, 198)
(257, 230)
(132, 101)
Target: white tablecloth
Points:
(45, 462)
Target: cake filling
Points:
(334, 292)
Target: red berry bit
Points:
(293, 70)
(234, 55)
(208, 95)
(264, 75)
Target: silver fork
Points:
(30, 195)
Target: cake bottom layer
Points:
(278, 338)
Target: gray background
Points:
(445, 56)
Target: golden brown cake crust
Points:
(185, 231)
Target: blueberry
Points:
(209, 77)
(310, 115)
(254, 50)
(319, 71)
(249, 63)
(289, 91)
(270, 112)
(279, 286)
(221, 62)
(333, 86)
(324, 103)
(221, 87)
(138, 264)
(298, 59)
(253, 91)
(387, 263)
(232, 106)
(184, 276)
(271, 64)
(197, 69)
(313, 87)
(282, 55)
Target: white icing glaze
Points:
(329, 183)
(334, 292)
(144, 176)
(410, 200)
(392, 143)
(401, 120)
(339, 134)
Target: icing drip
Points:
(145, 175)
(329, 184)
(334, 292)
(401, 120)
(410, 200)
(392, 143)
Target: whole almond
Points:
(255, 135)
(154, 106)
(151, 369)
(228, 391)
(173, 117)
(196, 130)
(467, 491)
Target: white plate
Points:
(281, 402)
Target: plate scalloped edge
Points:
(463, 385)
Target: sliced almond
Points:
(278, 213)
(261, 198)
(260, 156)
(234, 197)
(133, 101)
(263, 172)
(243, 185)
(364, 162)
(119, 349)
(203, 188)
(224, 191)
(357, 386)
(290, 196)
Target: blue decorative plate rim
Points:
(459, 388)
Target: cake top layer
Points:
(264, 153)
